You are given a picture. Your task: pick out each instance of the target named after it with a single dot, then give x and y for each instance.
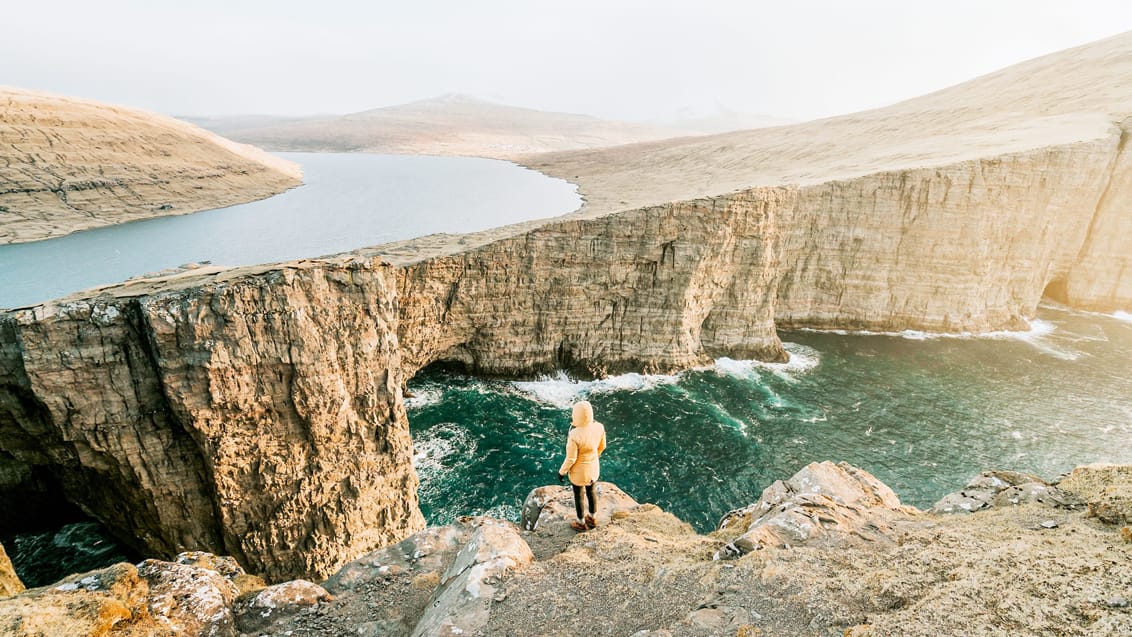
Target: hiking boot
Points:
(591, 523)
(578, 526)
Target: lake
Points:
(348, 201)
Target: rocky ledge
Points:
(831, 551)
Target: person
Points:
(584, 446)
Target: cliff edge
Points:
(69, 164)
(831, 551)
(210, 410)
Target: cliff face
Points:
(970, 246)
(68, 164)
(657, 289)
(10, 583)
(261, 416)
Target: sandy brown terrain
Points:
(1065, 97)
(69, 164)
(446, 125)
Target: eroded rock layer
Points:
(261, 416)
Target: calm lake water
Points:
(348, 201)
(922, 414)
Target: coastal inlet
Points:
(924, 414)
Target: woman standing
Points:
(583, 449)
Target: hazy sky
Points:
(628, 60)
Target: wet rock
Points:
(823, 500)
(278, 603)
(550, 509)
(468, 588)
(10, 583)
(189, 600)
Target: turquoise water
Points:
(923, 414)
(348, 201)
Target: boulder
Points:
(10, 583)
(425, 552)
(550, 509)
(462, 603)
(1003, 488)
(823, 500)
(259, 612)
(189, 600)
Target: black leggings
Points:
(589, 497)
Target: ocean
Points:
(923, 413)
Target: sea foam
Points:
(1035, 336)
(562, 391)
(436, 444)
(802, 359)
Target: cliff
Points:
(917, 214)
(68, 164)
(236, 417)
(829, 551)
(212, 410)
(10, 583)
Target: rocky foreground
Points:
(831, 551)
(69, 164)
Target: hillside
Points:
(69, 164)
(446, 125)
(1070, 96)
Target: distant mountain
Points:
(450, 124)
(68, 164)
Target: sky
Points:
(630, 60)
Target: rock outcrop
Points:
(10, 583)
(822, 502)
(221, 417)
(658, 289)
(68, 164)
(1004, 488)
(884, 570)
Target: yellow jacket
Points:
(583, 448)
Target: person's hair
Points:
(583, 414)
